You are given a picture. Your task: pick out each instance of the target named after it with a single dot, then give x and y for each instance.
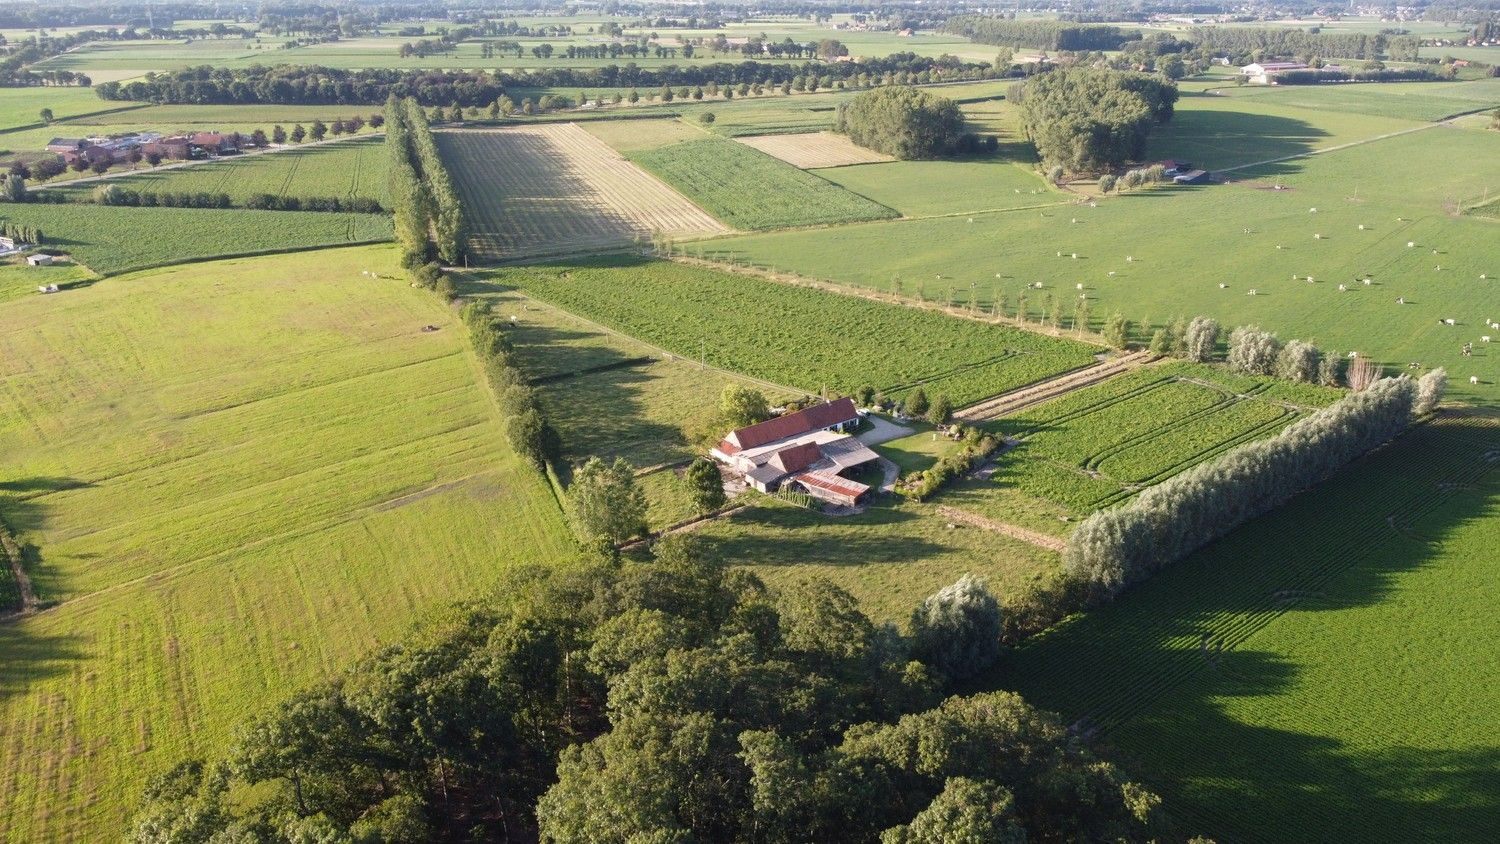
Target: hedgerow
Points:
(423, 198)
(527, 428)
(1114, 549)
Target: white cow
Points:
(1449, 322)
(1473, 379)
(1484, 338)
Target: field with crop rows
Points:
(806, 339)
(749, 189)
(1202, 250)
(1327, 652)
(110, 240)
(815, 149)
(1098, 445)
(238, 476)
(346, 170)
(554, 188)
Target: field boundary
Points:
(1051, 388)
(70, 118)
(1041, 540)
(201, 259)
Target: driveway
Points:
(882, 430)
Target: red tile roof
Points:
(832, 483)
(796, 458)
(814, 418)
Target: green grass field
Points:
(923, 188)
(22, 106)
(1187, 242)
(111, 240)
(1354, 697)
(237, 476)
(748, 189)
(347, 170)
(803, 338)
(1426, 101)
(890, 557)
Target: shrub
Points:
(940, 411)
(916, 403)
(1201, 339)
(957, 629)
(1252, 351)
(1298, 361)
(706, 485)
(1430, 389)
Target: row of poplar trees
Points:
(1114, 549)
(427, 211)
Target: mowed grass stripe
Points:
(264, 532)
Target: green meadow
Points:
(234, 477)
(1160, 253)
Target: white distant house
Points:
(1265, 73)
(804, 452)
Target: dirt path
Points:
(1051, 388)
(11, 550)
(1335, 148)
(1041, 540)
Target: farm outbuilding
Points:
(39, 260)
(1192, 177)
(804, 452)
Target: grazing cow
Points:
(1078, 286)
(1342, 288)
(1223, 286)
(1449, 322)
(1484, 338)
(1473, 379)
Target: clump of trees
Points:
(607, 506)
(902, 122)
(526, 427)
(676, 699)
(1093, 119)
(423, 197)
(1114, 549)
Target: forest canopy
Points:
(673, 700)
(902, 122)
(1090, 120)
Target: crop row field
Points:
(112, 239)
(804, 338)
(1332, 650)
(1241, 253)
(748, 189)
(237, 477)
(811, 150)
(546, 188)
(346, 170)
(1100, 444)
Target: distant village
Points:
(151, 146)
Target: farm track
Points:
(1051, 388)
(527, 189)
(1041, 540)
(1231, 628)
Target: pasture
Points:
(812, 150)
(749, 189)
(963, 186)
(352, 169)
(1327, 652)
(111, 240)
(237, 477)
(806, 339)
(532, 190)
(1202, 250)
(1424, 101)
(22, 106)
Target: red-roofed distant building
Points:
(804, 451)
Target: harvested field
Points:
(554, 188)
(814, 149)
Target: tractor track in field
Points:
(1055, 387)
(1041, 540)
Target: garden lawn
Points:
(1201, 250)
(748, 189)
(1323, 672)
(803, 338)
(111, 240)
(236, 477)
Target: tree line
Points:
(313, 84)
(1091, 119)
(1117, 548)
(673, 699)
(1315, 77)
(423, 198)
(21, 233)
(527, 429)
(1288, 42)
(1039, 34)
(117, 195)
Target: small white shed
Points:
(39, 260)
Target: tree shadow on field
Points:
(1213, 140)
(1168, 676)
(793, 536)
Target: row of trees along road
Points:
(1114, 549)
(1093, 119)
(674, 700)
(423, 198)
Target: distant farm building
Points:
(1265, 73)
(1192, 177)
(806, 452)
(1173, 166)
(39, 260)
